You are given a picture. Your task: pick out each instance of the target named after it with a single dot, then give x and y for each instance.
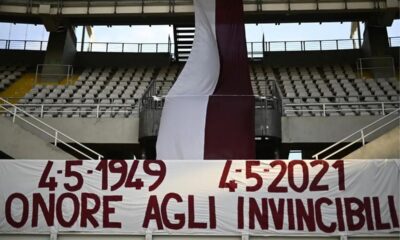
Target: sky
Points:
(160, 34)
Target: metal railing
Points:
(378, 65)
(54, 72)
(255, 49)
(55, 109)
(125, 47)
(154, 96)
(71, 100)
(56, 135)
(363, 133)
(32, 45)
(311, 45)
(324, 109)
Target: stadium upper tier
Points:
(110, 12)
(329, 90)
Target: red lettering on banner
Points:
(318, 215)
(304, 178)
(393, 213)
(354, 207)
(110, 210)
(368, 213)
(273, 187)
(314, 186)
(277, 212)
(240, 213)
(304, 215)
(75, 209)
(192, 221)
(340, 217)
(48, 211)
(255, 212)
(378, 219)
(164, 212)
(160, 214)
(87, 213)
(153, 213)
(25, 210)
(290, 214)
(212, 209)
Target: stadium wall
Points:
(115, 59)
(21, 57)
(311, 58)
(325, 129)
(101, 59)
(126, 130)
(103, 130)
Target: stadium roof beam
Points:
(142, 12)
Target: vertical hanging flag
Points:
(209, 112)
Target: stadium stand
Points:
(295, 83)
(9, 74)
(304, 90)
(309, 95)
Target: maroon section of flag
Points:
(229, 131)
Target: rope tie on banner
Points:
(245, 236)
(149, 235)
(53, 233)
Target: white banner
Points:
(200, 197)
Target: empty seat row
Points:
(9, 74)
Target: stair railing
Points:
(363, 133)
(56, 135)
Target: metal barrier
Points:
(363, 133)
(125, 47)
(380, 66)
(381, 108)
(43, 110)
(23, 45)
(255, 49)
(56, 135)
(54, 71)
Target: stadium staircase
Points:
(34, 139)
(379, 140)
(21, 144)
(184, 37)
(386, 146)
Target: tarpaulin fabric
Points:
(258, 198)
(209, 112)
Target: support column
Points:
(376, 41)
(61, 50)
(376, 50)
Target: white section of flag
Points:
(182, 127)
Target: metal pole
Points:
(55, 138)
(362, 137)
(36, 75)
(41, 111)
(15, 113)
(83, 38)
(359, 35)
